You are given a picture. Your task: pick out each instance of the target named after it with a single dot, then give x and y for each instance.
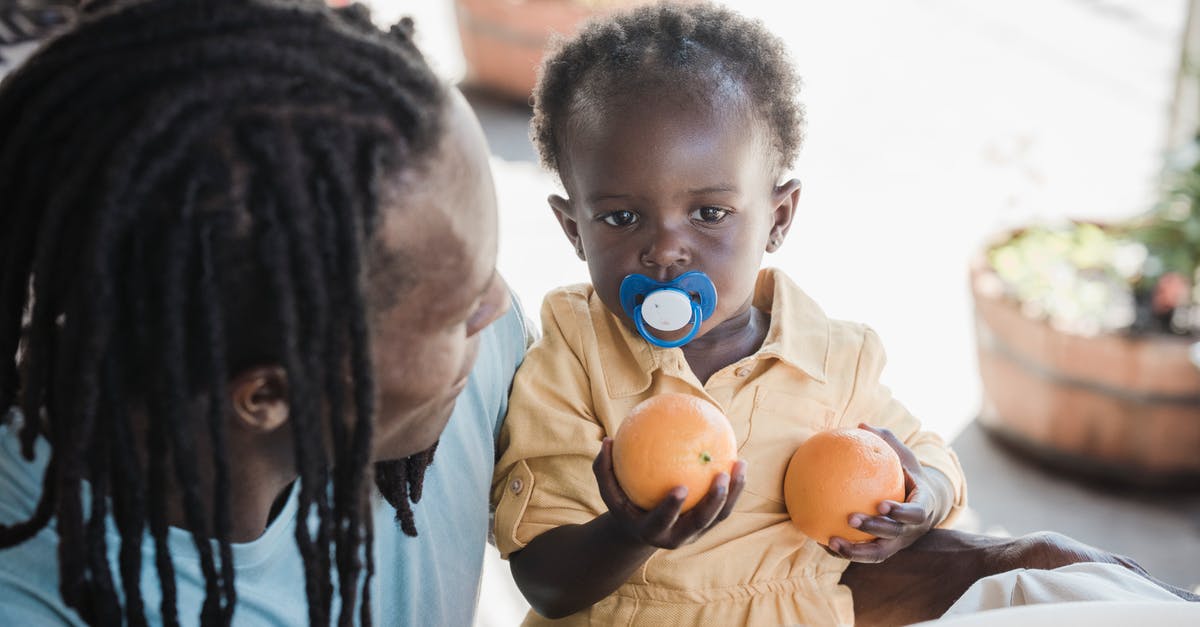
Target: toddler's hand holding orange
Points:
(900, 521)
(672, 471)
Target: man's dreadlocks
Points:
(189, 188)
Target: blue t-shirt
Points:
(429, 580)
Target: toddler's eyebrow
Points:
(722, 187)
(599, 197)
(711, 189)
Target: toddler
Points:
(671, 129)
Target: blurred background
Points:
(934, 127)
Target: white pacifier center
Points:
(667, 310)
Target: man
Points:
(248, 264)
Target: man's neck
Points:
(256, 495)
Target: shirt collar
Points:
(799, 331)
(628, 360)
(798, 336)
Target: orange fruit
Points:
(672, 440)
(836, 473)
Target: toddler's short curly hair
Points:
(682, 47)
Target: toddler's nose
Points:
(666, 250)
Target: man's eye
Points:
(619, 218)
(710, 215)
(482, 313)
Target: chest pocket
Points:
(779, 422)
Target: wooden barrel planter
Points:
(503, 40)
(1115, 407)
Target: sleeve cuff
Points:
(513, 501)
(946, 462)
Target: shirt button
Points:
(516, 486)
(742, 372)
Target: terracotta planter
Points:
(1119, 408)
(503, 40)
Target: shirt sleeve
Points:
(872, 403)
(501, 352)
(529, 331)
(543, 478)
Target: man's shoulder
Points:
(29, 583)
(20, 479)
(518, 319)
(503, 345)
(29, 570)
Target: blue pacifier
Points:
(668, 305)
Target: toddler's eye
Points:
(710, 215)
(619, 218)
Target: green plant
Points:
(1171, 231)
(1138, 275)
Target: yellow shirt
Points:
(754, 568)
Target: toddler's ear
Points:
(566, 219)
(784, 197)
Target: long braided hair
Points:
(189, 188)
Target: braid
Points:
(275, 258)
(157, 445)
(129, 504)
(104, 604)
(349, 504)
(219, 146)
(213, 332)
(401, 481)
(171, 334)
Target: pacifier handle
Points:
(639, 322)
(694, 286)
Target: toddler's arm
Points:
(934, 483)
(571, 567)
(568, 530)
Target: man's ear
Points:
(259, 396)
(784, 197)
(566, 219)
